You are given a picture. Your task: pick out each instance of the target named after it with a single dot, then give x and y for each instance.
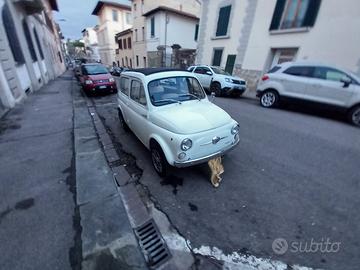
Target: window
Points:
(130, 62)
(137, 93)
(217, 57)
(137, 60)
(127, 61)
(129, 42)
(294, 14)
(303, 71)
(191, 69)
(128, 18)
(196, 32)
(283, 55)
(135, 6)
(120, 44)
(124, 43)
(38, 44)
(115, 15)
(201, 70)
(124, 85)
(136, 35)
(12, 35)
(230, 62)
(144, 59)
(223, 21)
(122, 62)
(29, 41)
(143, 33)
(152, 26)
(329, 74)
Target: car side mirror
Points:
(208, 73)
(212, 96)
(346, 81)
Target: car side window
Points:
(303, 71)
(329, 74)
(199, 70)
(137, 92)
(274, 69)
(124, 85)
(191, 69)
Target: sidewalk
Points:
(59, 207)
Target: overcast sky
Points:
(77, 16)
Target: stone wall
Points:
(251, 76)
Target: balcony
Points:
(30, 6)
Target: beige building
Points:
(113, 18)
(124, 53)
(91, 44)
(148, 13)
(30, 49)
(249, 37)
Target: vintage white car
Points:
(171, 115)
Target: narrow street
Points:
(293, 176)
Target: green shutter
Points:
(196, 32)
(152, 26)
(278, 11)
(223, 21)
(311, 13)
(230, 62)
(29, 41)
(217, 57)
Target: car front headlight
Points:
(111, 80)
(186, 144)
(235, 129)
(227, 80)
(88, 82)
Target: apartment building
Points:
(249, 37)
(30, 48)
(124, 53)
(91, 44)
(113, 18)
(157, 25)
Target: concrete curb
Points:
(108, 240)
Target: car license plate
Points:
(102, 87)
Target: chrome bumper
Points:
(192, 162)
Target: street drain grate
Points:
(152, 244)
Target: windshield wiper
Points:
(168, 100)
(192, 95)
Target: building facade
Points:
(161, 24)
(113, 18)
(91, 44)
(249, 37)
(124, 53)
(30, 49)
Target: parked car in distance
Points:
(217, 80)
(316, 83)
(96, 78)
(171, 115)
(117, 71)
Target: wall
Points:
(126, 53)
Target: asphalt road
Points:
(295, 175)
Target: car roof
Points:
(149, 71)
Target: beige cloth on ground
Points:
(216, 170)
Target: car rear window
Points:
(274, 69)
(303, 71)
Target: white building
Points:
(91, 44)
(30, 49)
(248, 37)
(162, 23)
(113, 18)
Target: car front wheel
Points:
(354, 116)
(158, 160)
(122, 121)
(269, 99)
(216, 88)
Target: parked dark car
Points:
(95, 78)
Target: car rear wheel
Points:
(216, 88)
(122, 121)
(158, 160)
(269, 99)
(354, 115)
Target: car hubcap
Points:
(356, 117)
(156, 159)
(268, 99)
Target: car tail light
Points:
(265, 77)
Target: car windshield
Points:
(95, 69)
(174, 90)
(220, 71)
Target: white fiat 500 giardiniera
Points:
(171, 115)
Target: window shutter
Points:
(38, 44)
(311, 13)
(279, 9)
(12, 35)
(152, 26)
(223, 21)
(196, 32)
(29, 41)
(217, 57)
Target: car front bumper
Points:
(192, 162)
(231, 88)
(100, 87)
